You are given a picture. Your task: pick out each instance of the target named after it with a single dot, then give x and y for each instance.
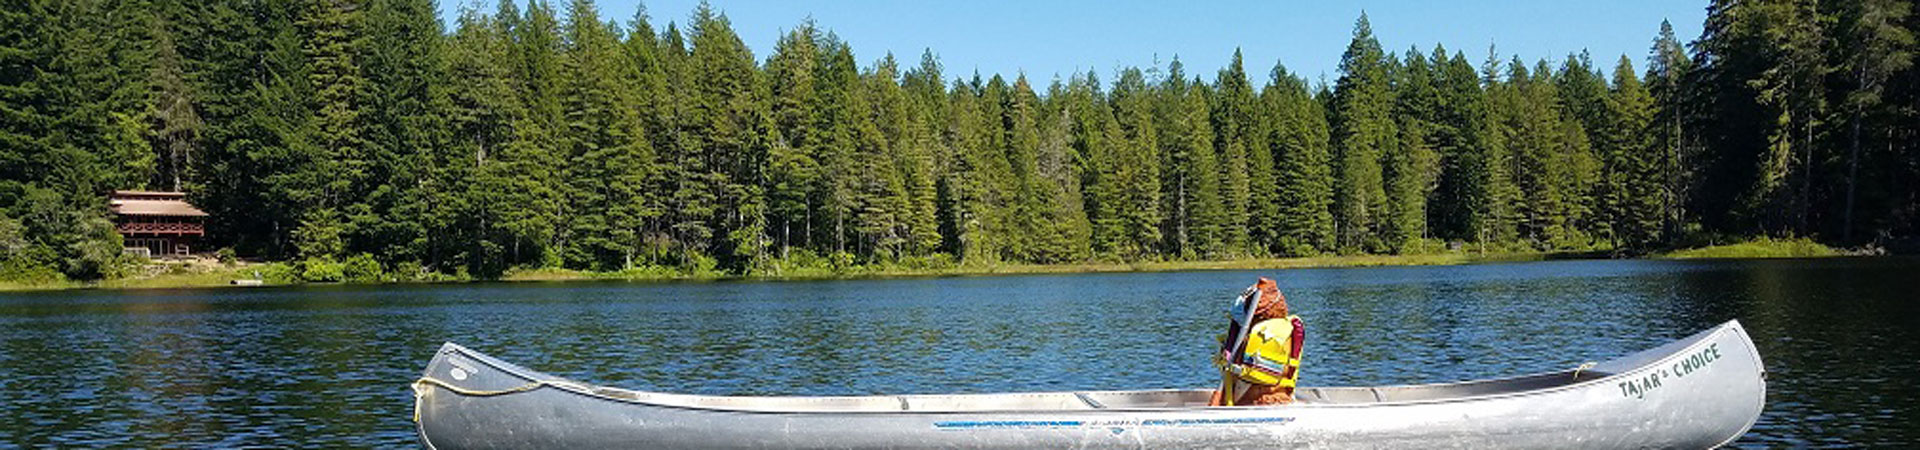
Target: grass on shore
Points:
(881, 271)
(198, 274)
(37, 286)
(1759, 248)
(155, 275)
(183, 278)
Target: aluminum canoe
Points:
(1698, 392)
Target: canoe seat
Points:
(1336, 395)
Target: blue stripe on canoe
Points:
(1016, 424)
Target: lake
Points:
(329, 366)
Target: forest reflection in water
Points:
(329, 365)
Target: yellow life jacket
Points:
(1272, 355)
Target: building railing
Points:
(162, 228)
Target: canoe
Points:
(1702, 391)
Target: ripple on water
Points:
(329, 366)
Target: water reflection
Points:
(328, 366)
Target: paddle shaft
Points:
(1239, 348)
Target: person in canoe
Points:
(1259, 357)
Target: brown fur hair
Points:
(1273, 304)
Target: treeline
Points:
(323, 130)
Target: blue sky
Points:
(1045, 38)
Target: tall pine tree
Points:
(1363, 131)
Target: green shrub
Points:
(1106, 258)
(414, 271)
(1423, 246)
(642, 272)
(322, 269)
(942, 261)
(25, 271)
(362, 268)
(701, 266)
(277, 273)
(798, 262)
(226, 256)
(1760, 248)
(841, 261)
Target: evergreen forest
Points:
(533, 135)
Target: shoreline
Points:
(223, 276)
(188, 275)
(871, 272)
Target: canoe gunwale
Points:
(1613, 374)
(1761, 365)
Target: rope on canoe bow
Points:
(1583, 366)
(420, 390)
(424, 381)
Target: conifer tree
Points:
(1668, 66)
(1303, 165)
(973, 183)
(1022, 115)
(533, 205)
(792, 172)
(1880, 48)
(71, 118)
(1459, 111)
(605, 148)
(835, 80)
(1004, 187)
(1632, 163)
(1535, 123)
(1094, 138)
(1583, 99)
(726, 122)
(1192, 192)
(650, 103)
(924, 147)
(24, 38)
(176, 126)
(257, 116)
(1583, 91)
(1762, 98)
(323, 129)
(1495, 210)
(98, 77)
(921, 223)
(404, 97)
(1051, 208)
(1235, 132)
(1793, 86)
(1136, 166)
(342, 172)
(907, 158)
(1363, 131)
(480, 113)
(1409, 169)
(879, 189)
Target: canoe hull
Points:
(1698, 392)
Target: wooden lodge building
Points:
(157, 223)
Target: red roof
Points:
(143, 203)
(163, 194)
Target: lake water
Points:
(330, 366)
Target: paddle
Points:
(1238, 337)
